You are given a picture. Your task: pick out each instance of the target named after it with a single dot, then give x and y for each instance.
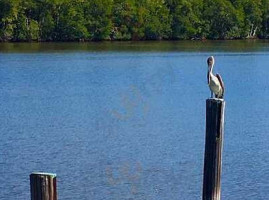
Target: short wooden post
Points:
(213, 148)
(43, 186)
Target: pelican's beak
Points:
(209, 67)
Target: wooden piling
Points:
(213, 148)
(43, 186)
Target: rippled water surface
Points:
(122, 121)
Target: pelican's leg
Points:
(211, 94)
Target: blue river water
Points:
(130, 124)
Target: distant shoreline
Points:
(135, 41)
(138, 46)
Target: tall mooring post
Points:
(213, 148)
(43, 186)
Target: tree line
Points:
(94, 20)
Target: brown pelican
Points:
(215, 83)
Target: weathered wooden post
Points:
(43, 186)
(213, 148)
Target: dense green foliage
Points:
(85, 20)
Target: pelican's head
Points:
(210, 62)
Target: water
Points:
(126, 121)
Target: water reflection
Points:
(142, 46)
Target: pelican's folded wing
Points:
(221, 83)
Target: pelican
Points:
(215, 83)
